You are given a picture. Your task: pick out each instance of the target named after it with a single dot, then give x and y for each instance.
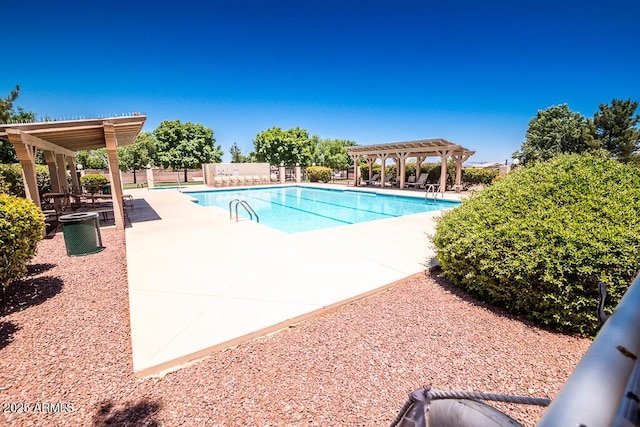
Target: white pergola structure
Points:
(420, 150)
(60, 140)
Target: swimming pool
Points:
(293, 209)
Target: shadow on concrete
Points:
(140, 212)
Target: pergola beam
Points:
(34, 141)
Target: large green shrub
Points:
(21, 228)
(92, 183)
(538, 241)
(12, 176)
(318, 173)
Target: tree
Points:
(277, 146)
(10, 114)
(136, 156)
(615, 129)
(236, 154)
(92, 159)
(184, 146)
(332, 153)
(554, 131)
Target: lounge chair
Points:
(420, 182)
(241, 181)
(373, 180)
(265, 179)
(389, 181)
(233, 181)
(225, 181)
(217, 181)
(256, 180)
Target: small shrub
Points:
(21, 228)
(475, 176)
(318, 173)
(12, 176)
(92, 183)
(538, 241)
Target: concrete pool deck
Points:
(200, 282)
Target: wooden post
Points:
(114, 172)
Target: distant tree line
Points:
(613, 129)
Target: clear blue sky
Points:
(373, 72)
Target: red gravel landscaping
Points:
(65, 355)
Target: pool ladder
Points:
(431, 189)
(247, 207)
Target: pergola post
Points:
(50, 158)
(114, 172)
(419, 160)
(75, 184)
(383, 159)
(354, 159)
(402, 158)
(27, 156)
(459, 159)
(444, 155)
(62, 172)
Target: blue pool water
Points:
(294, 209)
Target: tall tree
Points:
(275, 146)
(137, 155)
(554, 131)
(332, 153)
(92, 159)
(9, 113)
(615, 128)
(185, 145)
(236, 154)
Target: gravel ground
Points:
(65, 355)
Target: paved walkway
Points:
(200, 282)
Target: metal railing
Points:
(247, 207)
(431, 189)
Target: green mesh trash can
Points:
(81, 232)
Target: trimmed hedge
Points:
(318, 173)
(479, 176)
(93, 183)
(21, 228)
(538, 241)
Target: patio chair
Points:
(420, 182)
(389, 181)
(373, 180)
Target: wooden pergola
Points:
(420, 150)
(60, 140)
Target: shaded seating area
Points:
(399, 152)
(59, 141)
